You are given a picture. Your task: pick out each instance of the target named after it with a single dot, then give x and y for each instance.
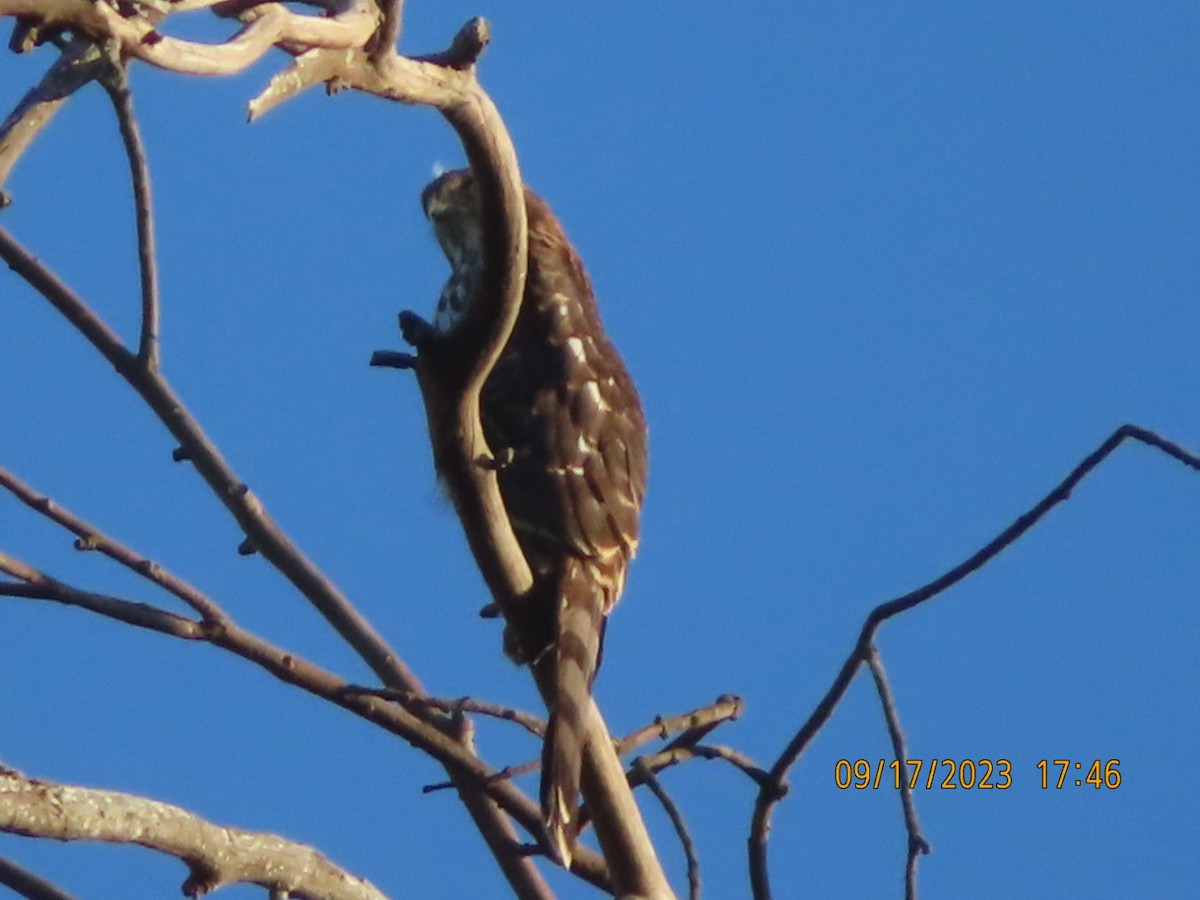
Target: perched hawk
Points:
(564, 423)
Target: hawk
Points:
(565, 426)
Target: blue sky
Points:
(883, 277)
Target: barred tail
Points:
(577, 658)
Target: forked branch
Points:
(334, 49)
(237, 497)
(773, 791)
(420, 724)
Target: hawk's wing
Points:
(562, 415)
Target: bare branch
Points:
(79, 63)
(27, 884)
(215, 855)
(34, 584)
(528, 721)
(451, 398)
(37, 585)
(475, 781)
(774, 791)
(674, 755)
(696, 724)
(268, 25)
(506, 774)
(241, 502)
(917, 845)
(685, 838)
(116, 82)
(683, 748)
(451, 373)
(91, 538)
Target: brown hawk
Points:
(565, 426)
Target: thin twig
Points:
(79, 63)
(292, 669)
(116, 82)
(672, 756)
(245, 507)
(37, 585)
(916, 843)
(685, 838)
(506, 774)
(528, 721)
(27, 884)
(92, 538)
(333, 46)
(773, 792)
(695, 724)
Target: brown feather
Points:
(561, 409)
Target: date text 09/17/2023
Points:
(973, 774)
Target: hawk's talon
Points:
(497, 461)
(415, 330)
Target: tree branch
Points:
(78, 64)
(245, 507)
(685, 837)
(772, 792)
(27, 884)
(451, 373)
(695, 725)
(91, 538)
(36, 585)
(330, 50)
(476, 782)
(215, 855)
(528, 721)
(671, 756)
(351, 26)
(917, 845)
(116, 82)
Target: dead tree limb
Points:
(215, 855)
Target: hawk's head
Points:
(451, 204)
